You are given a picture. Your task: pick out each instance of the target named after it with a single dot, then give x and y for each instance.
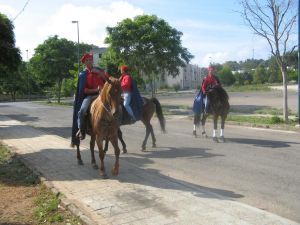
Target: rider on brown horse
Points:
(90, 83)
(209, 82)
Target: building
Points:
(97, 53)
(189, 77)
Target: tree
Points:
(149, 45)
(10, 57)
(273, 71)
(53, 61)
(260, 75)
(273, 20)
(225, 75)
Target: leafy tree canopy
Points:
(149, 45)
(10, 57)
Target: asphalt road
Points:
(259, 167)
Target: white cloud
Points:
(8, 11)
(33, 30)
(92, 21)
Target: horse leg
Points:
(222, 128)
(120, 136)
(146, 138)
(115, 169)
(92, 148)
(106, 146)
(152, 136)
(215, 139)
(99, 141)
(196, 123)
(203, 120)
(79, 160)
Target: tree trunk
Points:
(59, 90)
(285, 94)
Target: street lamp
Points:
(76, 21)
(28, 86)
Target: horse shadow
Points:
(172, 152)
(261, 143)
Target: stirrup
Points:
(80, 134)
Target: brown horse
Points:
(218, 107)
(150, 106)
(104, 123)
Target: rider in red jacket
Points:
(126, 85)
(93, 83)
(209, 81)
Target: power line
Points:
(21, 10)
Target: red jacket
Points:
(93, 81)
(126, 82)
(208, 82)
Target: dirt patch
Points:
(17, 204)
(24, 200)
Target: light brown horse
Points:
(105, 122)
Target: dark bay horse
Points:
(104, 123)
(150, 106)
(218, 107)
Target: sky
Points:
(212, 30)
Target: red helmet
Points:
(124, 68)
(86, 56)
(210, 68)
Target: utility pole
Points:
(298, 64)
(78, 57)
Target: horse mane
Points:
(221, 93)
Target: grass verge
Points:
(24, 200)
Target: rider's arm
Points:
(89, 91)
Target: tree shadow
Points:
(261, 143)
(247, 109)
(22, 117)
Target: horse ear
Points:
(108, 81)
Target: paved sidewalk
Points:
(136, 196)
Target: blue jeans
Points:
(82, 112)
(127, 99)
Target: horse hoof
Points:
(204, 135)
(124, 150)
(215, 139)
(194, 133)
(154, 146)
(143, 148)
(115, 171)
(95, 166)
(80, 162)
(104, 175)
(222, 139)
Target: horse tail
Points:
(159, 114)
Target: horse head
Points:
(218, 99)
(111, 95)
